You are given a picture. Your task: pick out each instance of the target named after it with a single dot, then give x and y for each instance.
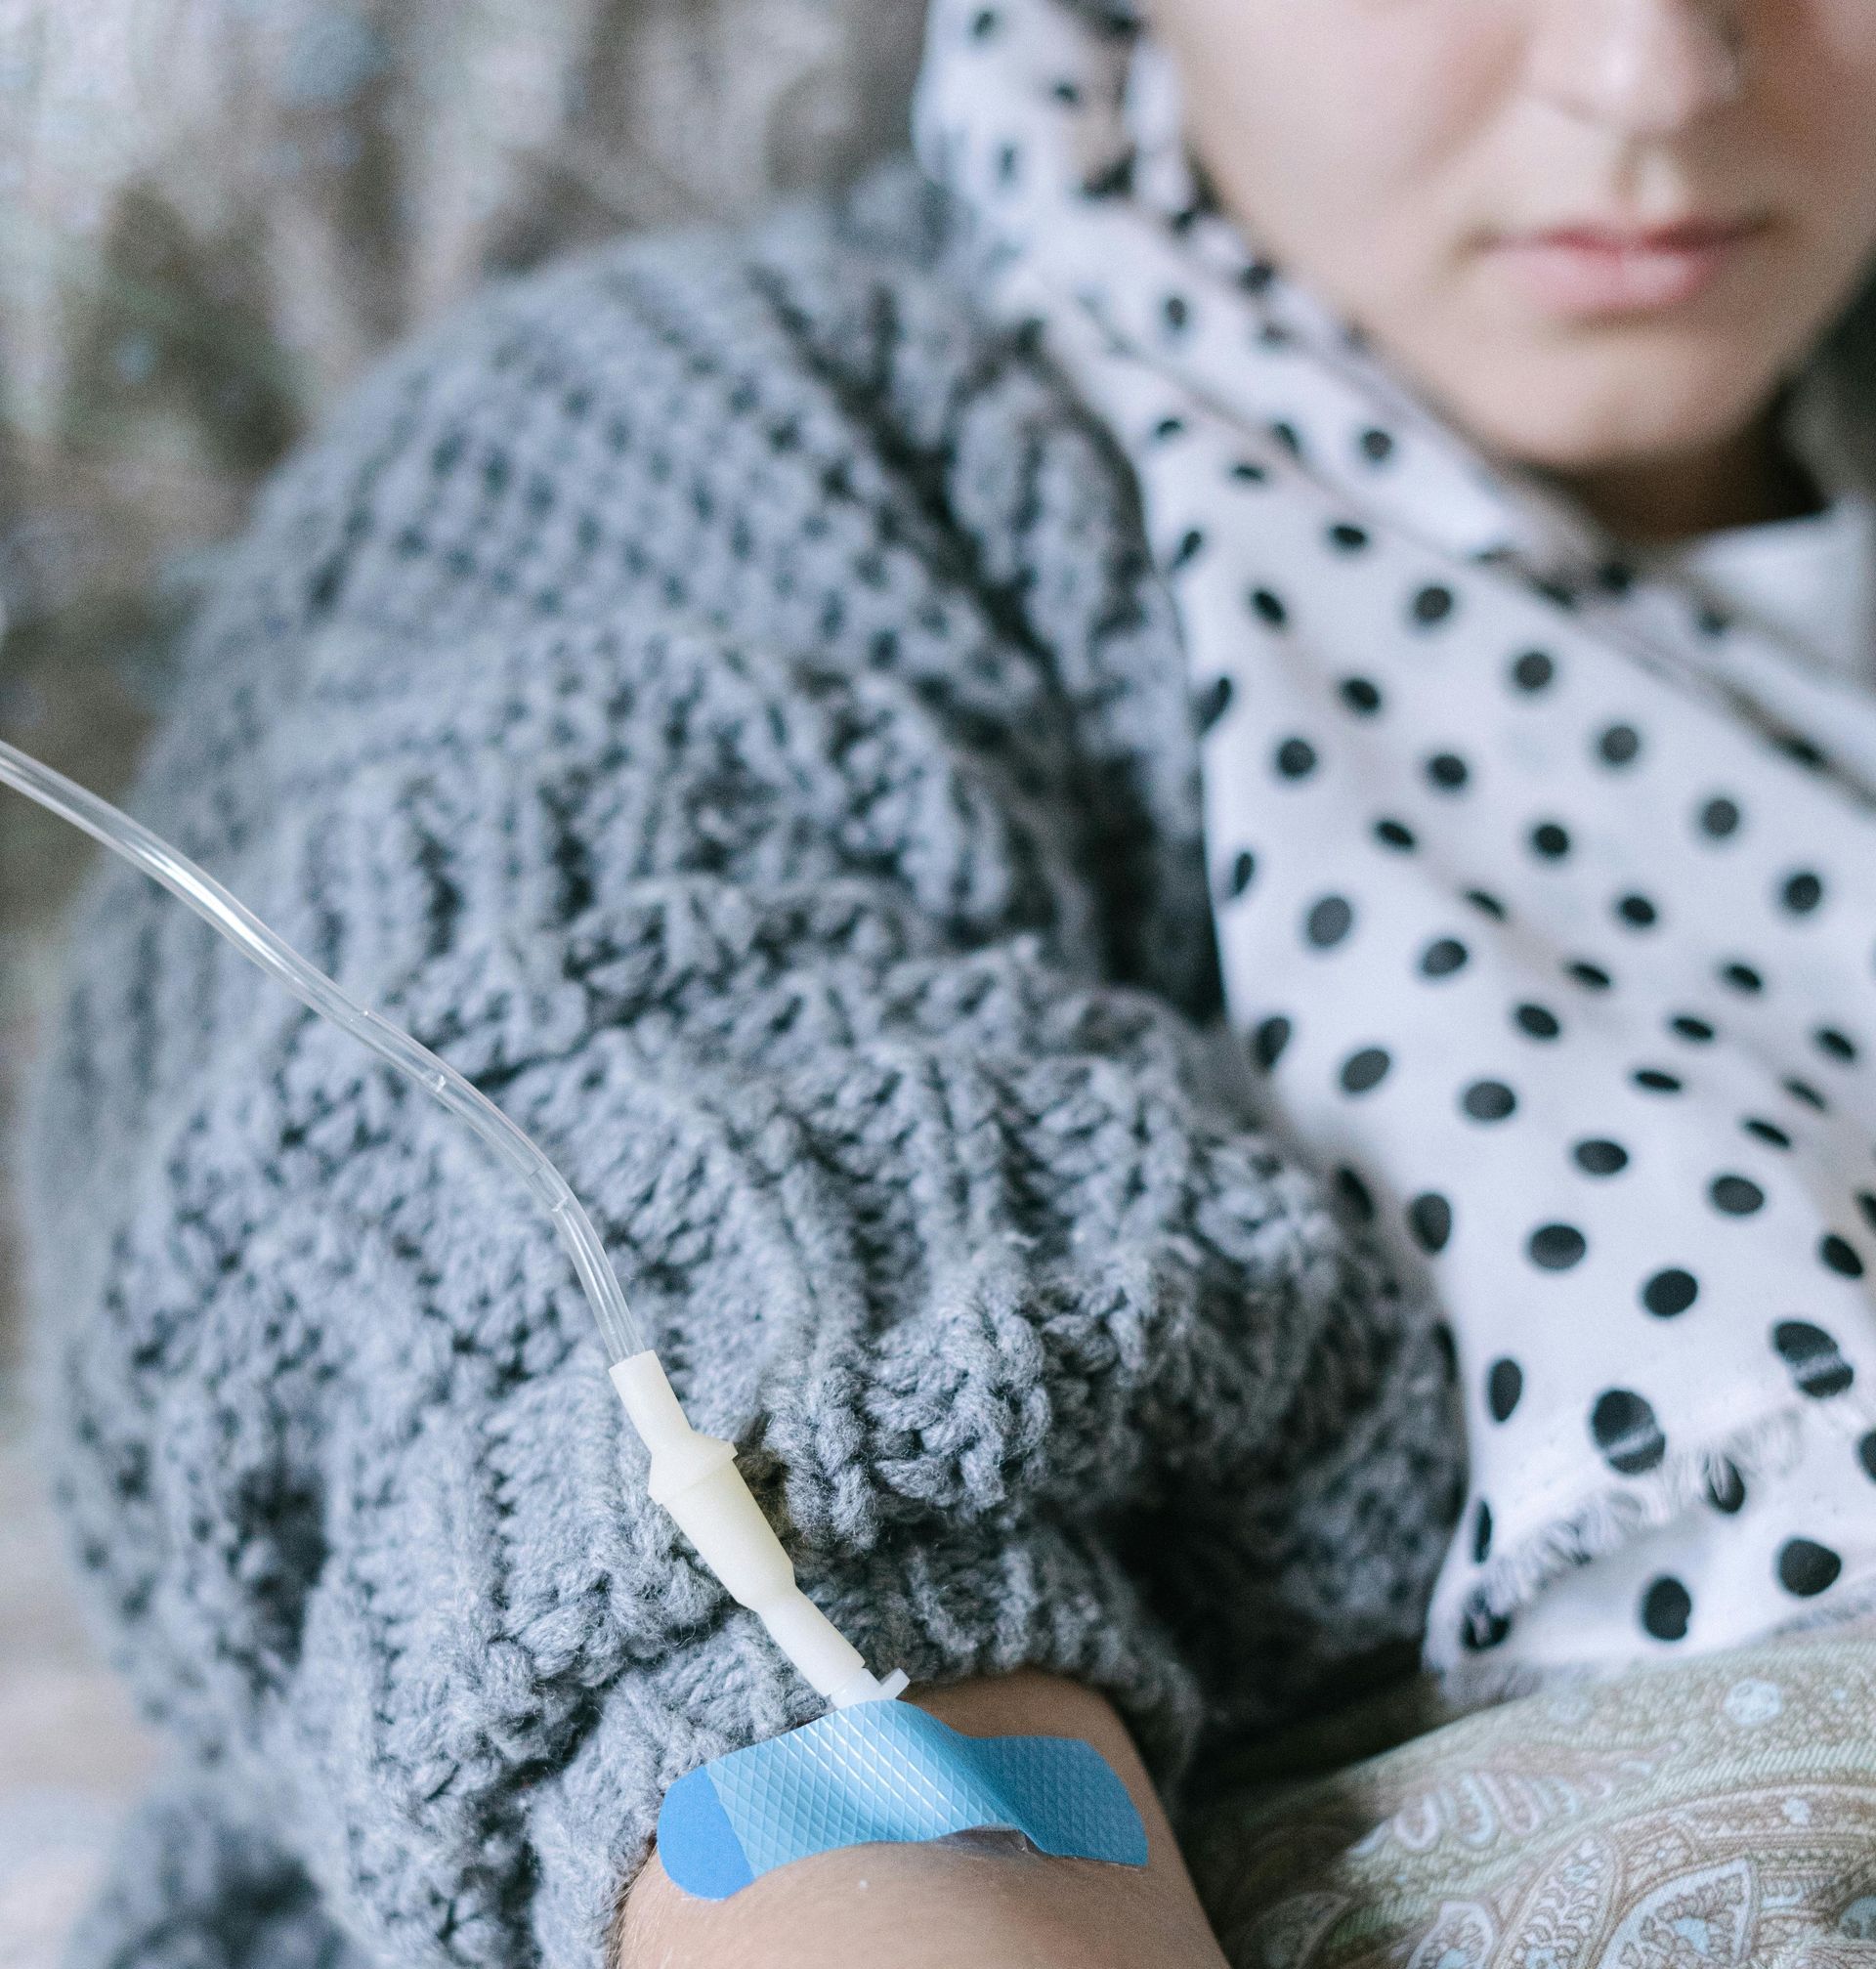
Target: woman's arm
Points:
(781, 938)
(933, 1906)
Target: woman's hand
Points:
(953, 1905)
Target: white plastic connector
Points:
(694, 1477)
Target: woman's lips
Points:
(1578, 271)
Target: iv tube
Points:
(693, 1475)
(618, 1325)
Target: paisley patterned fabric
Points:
(1714, 1814)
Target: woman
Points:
(800, 721)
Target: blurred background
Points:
(212, 214)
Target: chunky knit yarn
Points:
(714, 692)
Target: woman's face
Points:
(1404, 158)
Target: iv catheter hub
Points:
(694, 1477)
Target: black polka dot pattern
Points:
(1268, 607)
(1550, 841)
(1431, 1218)
(1448, 771)
(1431, 604)
(1442, 957)
(1362, 696)
(1329, 922)
(1817, 1365)
(1807, 1569)
(1211, 704)
(1556, 1247)
(1670, 1291)
(1727, 1489)
(1446, 1344)
(1365, 1069)
(1656, 1080)
(1505, 1388)
(1626, 1432)
(1720, 818)
(1564, 966)
(1666, 1609)
(1841, 1255)
(1481, 1629)
(1735, 1195)
(1357, 1198)
(1489, 1100)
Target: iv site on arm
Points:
(987, 1899)
(843, 1781)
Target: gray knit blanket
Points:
(713, 691)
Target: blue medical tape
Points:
(886, 1771)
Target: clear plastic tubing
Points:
(692, 1476)
(617, 1326)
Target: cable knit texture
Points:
(715, 693)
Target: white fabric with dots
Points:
(1811, 580)
(1549, 929)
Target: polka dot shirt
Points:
(1544, 891)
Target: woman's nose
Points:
(1647, 68)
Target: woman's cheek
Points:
(1362, 140)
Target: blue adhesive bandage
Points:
(886, 1771)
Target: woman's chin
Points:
(1576, 415)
